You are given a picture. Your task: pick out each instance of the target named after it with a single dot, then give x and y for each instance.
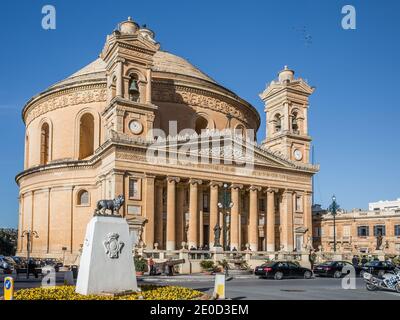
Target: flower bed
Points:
(149, 292)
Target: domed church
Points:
(99, 134)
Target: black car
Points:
(334, 269)
(282, 269)
(377, 268)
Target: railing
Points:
(231, 256)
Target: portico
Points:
(263, 216)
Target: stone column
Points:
(269, 220)
(118, 186)
(201, 218)
(286, 217)
(180, 218)
(235, 215)
(148, 86)
(307, 211)
(193, 210)
(214, 215)
(159, 221)
(171, 212)
(120, 82)
(109, 91)
(253, 218)
(149, 214)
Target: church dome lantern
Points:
(286, 75)
(128, 27)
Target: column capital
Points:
(271, 190)
(236, 186)
(254, 188)
(173, 179)
(215, 184)
(195, 181)
(289, 191)
(120, 59)
(180, 185)
(149, 176)
(159, 183)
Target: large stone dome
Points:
(164, 62)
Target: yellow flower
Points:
(148, 292)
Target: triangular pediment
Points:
(298, 85)
(139, 42)
(227, 148)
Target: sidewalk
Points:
(195, 277)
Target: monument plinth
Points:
(106, 265)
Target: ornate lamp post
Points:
(29, 234)
(333, 209)
(224, 205)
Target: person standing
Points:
(355, 261)
(312, 257)
(151, 267)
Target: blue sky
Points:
(354, 113)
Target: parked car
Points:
(334, 269)
(4, 265)
(378, 268)
(282, 269)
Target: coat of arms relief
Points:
(113, 247)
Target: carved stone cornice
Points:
(64, 98)
(210, 100)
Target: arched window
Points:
(201, 124)
(134, 93)
(44, 144)
(278, 122)
(295, 123)
(83, 198)
(86, 136)
(240, 131)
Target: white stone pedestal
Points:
(218, 254)
(106, 264)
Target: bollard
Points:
(8, 288)
(219, 286)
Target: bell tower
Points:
(286, 107)
(128, 54)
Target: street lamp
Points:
(224, 205)
(29, 238)
(333, 209)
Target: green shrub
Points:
(207, 264)
(140, 264)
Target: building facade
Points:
(387, 205)
(358, 231)
(124, 125)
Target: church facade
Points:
(125, 125)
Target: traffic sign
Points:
(8, 288)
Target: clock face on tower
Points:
(136, 127)
(298, 155)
